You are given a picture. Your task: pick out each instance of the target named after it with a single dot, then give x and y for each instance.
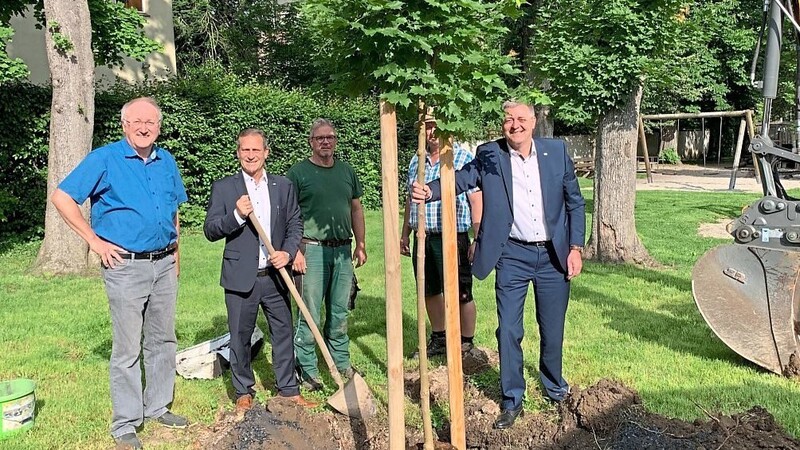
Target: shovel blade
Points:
(748, 298)
(354, 399)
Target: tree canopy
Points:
(596, 52)
(710, 61)
(255, 39)
(689, 56)
(439, 51)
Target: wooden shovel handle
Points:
(301, 305)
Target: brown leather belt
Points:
(328, 243)
(152, 256)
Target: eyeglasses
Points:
(324, 138)
(140, 124)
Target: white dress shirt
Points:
(529, 224)
(259, 197)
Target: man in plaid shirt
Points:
(469, 207)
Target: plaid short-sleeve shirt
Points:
(433, 210)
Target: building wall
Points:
(688, 143)
(579, 146)
(28, 44)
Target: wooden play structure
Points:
(746, 123)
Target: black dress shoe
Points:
(507, 418)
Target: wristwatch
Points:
(576, 247)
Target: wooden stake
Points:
(424, 379)
(455, 377)
(394, 301)
(643, 144)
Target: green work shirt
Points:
(325, 195)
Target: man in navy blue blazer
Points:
(533, 230)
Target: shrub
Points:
(670, 156)
(203, 113)
(24, 129)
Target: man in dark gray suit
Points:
(249, 273)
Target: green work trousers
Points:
(328, 278)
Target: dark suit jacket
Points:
(240, 258)
(491, 171)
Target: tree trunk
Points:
(614, 237)
(544, 123)
(68, 34)
(544, 119)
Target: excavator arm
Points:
(748, 291)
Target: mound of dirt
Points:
(606, 415)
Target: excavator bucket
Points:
(748, 296)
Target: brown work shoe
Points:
(302, 401)
(244, 403)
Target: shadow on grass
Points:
(103, 349)
(38, 407)
(656, 277)
(722, 210)
(217, 327)
(369, 319)
(678, 326)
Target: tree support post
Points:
(455, 379)
(424, 379)
(394, 301)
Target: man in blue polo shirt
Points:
(135, 189)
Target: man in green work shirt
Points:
(328, 191)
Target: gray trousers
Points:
(141, 296)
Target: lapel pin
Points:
(545, 154)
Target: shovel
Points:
(353, 398)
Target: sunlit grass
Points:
(636, 325)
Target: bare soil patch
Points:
(606, 415)
(716, 229)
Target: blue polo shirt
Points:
(134, 202)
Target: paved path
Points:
(697, 178)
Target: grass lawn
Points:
(636, 325)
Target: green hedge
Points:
(203, 113)
(24, 130)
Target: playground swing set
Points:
(745, 124)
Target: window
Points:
(136, 4)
